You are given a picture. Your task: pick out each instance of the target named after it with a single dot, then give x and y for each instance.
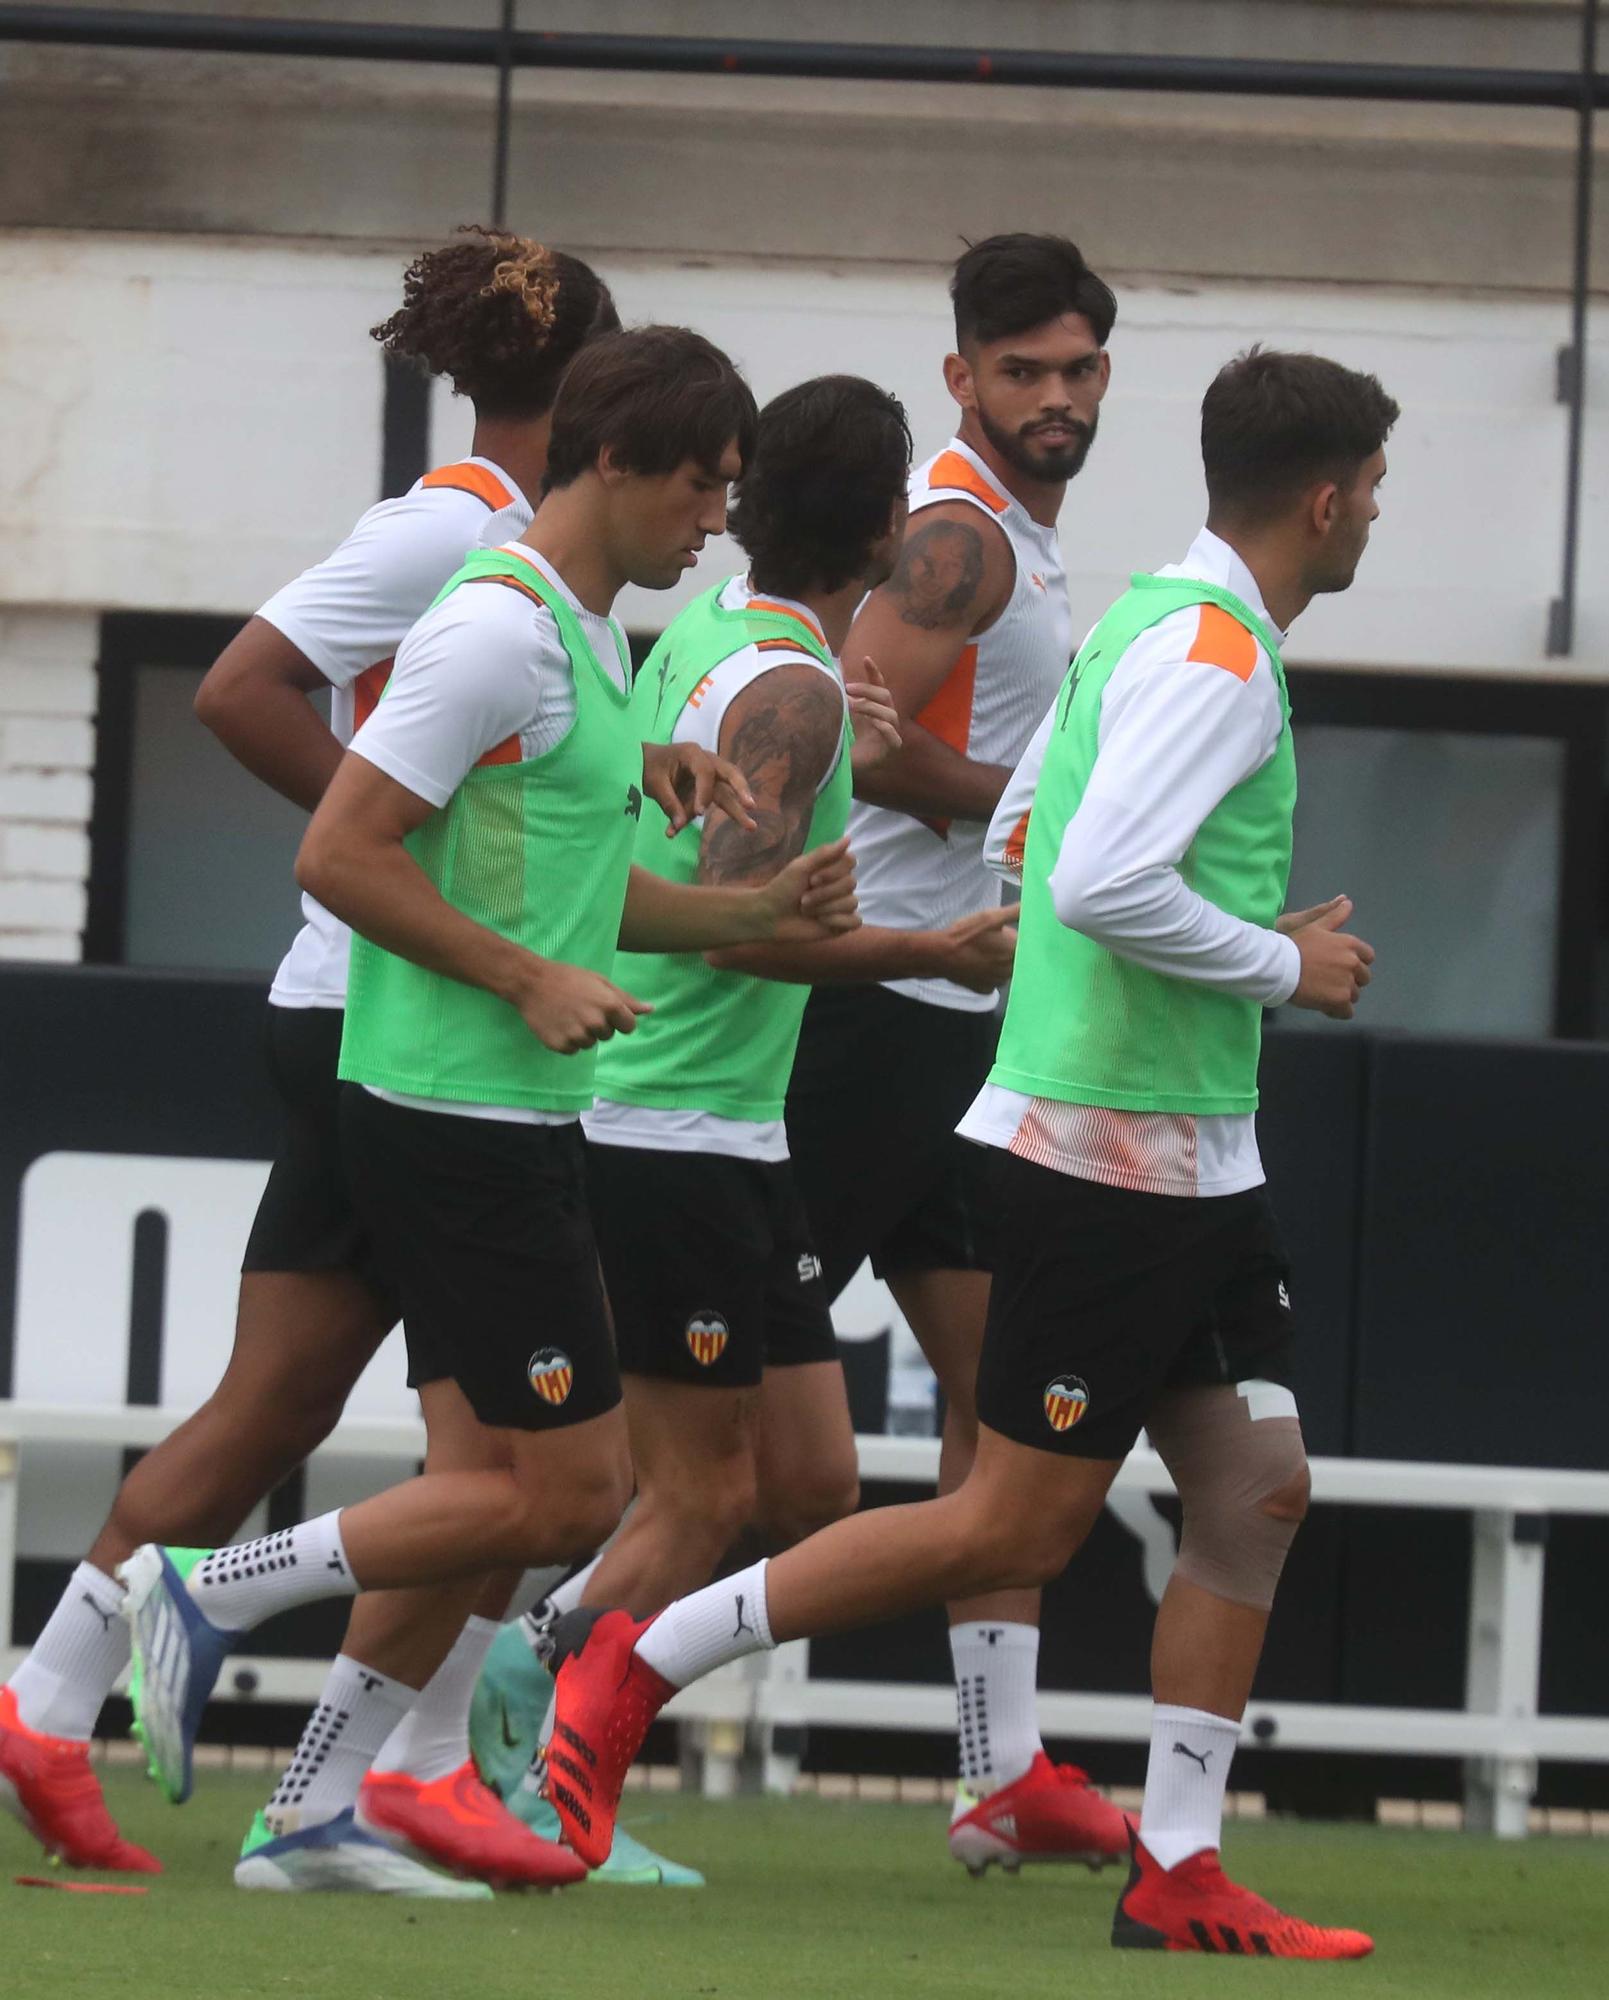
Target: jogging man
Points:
(478, 837)
(973, 633)
(501, 317)
(1139, 1278)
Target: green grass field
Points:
(806, 1898)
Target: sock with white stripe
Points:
(726, 1621)
(432, 1739)
(66, 1676)
(357, 1712)
(239, 1586)
(996, 1689)
(1185, 1778)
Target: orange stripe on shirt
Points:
(1222, 641)
(1016, 847)
(367, 690)
(467, 478)
(784, 611)
(951, 469)
(948, 716)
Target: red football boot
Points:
(1051, 1813)
(461, 1826)
(603, 1702)
(46, 1781)
(1195, 1907)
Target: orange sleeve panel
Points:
(948, 716)
(467, 478)
(367, 690)
(951, 469)
(1017, 845)
(1222, 641)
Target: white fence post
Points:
(1503, 1673)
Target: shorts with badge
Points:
(711, 1274)
(485, 1229)
(880, 1082)
(306, 1221)
(1103, 1298)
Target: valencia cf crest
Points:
(1066, 1400)
(551, 1374)
(707, 1335)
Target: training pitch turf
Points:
(806, 1898)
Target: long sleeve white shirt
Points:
(1185, 718)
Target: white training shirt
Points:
(349, 614)
(484, 666)
(652, 1127)
(1179, 730)
(915, 874)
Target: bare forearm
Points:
(278, 735)
(928, 779)
(860, 957)
(381, 891)
(674, 916)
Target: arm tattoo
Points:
(784, 744)
(938, 575)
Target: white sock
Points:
(996, 1688)
(696, 1634)
(432, 1739)
(563, 1597)
(62, 1682)
(1184, 1782)
(239, 1586)
(356, 1713)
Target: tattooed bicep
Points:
(939, 578)
(783, 732)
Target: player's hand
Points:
(569, 1009)
(874, 717)
(812, 898)
(982, 948)
(1298, 920)
(1335, 967)
(684, 781)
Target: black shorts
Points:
(709, 1265)
(1102, 1298)
(306, 1220)
(879, 1085)
(485, 1227)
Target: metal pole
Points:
(505, 91)
(1573, 362)
(101, 27)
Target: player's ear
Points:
(958, 379)
(608, 467)
(1324, 506)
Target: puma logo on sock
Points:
(1196, 1756)
(104, 1616)
(743, 1624)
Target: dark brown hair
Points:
(1011, 284)
(832, 460)
(1273, 425)
(500, 316)
(656, 397)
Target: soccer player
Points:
(478, 838)
(973, 633)
(501, 316)
(1139, 1278)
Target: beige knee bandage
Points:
(1237, 1458)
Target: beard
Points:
(1023, 452)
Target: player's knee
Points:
(828, 1494)
(1289, 1501)
(1241, 1516)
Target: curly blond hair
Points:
(501, 316)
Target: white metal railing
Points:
(1499, 1731)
